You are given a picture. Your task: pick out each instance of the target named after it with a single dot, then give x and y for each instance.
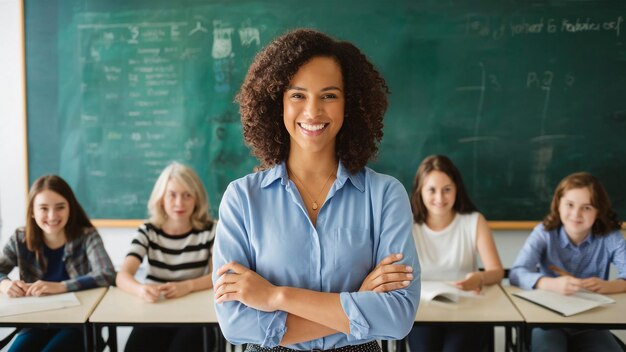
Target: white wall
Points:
(12, 150)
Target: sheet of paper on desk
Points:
(23, 305)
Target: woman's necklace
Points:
(314, 206)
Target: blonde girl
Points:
(177, 241)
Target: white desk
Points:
(493, 308)
(119, 308)
(71, 316)
(611, 316)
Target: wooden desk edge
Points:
(495, 225)
(97, 301)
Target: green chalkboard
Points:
(517, 93)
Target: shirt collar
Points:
(564, 240)
(280, 172)
(277, 172)
(357, 179)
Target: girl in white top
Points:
(449, 235)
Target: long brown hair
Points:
(77, 223)
(606, 220)
(462, 202)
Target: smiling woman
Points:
(58, 250)
(312, 110)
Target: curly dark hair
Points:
(606, 220)
(261, 98)
(462, 202)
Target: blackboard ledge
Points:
(118, 223)
(495, 225)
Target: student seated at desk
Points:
(573, 248)
(449, 235)
(58, 251)
(177, 240)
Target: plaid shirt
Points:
(86, 261)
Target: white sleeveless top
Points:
(449, 254)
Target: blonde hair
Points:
(200, 218)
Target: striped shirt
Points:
(173, 258)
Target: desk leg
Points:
(112, 339)
(521, 338)
(205, 338)
(86, 337)
(507, 338)
(221, 341)
(96, 342)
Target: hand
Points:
(238, 283)
(387, 276)
(472, 282)
(42, 288)
(14, 288)
(175, 289)
(149, 293)
(596, 284)
(566, 285)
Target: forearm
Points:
(319, 307)
(201, 283)
(493, 276)
(302, 330)
(126, 282)
(616, 286)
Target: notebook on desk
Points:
(565, 305)
(443, 291)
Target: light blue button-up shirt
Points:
(265, 227)
(592, 258)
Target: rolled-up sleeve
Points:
(524, 271)
(239, 323)
(388, 315)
